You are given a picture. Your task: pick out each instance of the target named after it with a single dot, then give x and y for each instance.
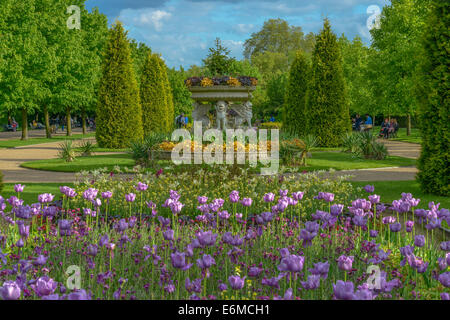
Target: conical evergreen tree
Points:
(153, 96)
(295, 115)
(434, 161)
(168, 96)
(119, 113)
(327, 102)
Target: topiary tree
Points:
(434, 161)
(168, 96)
(153, 96)
(119, 113)
(295, 113)
(327, 102)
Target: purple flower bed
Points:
(228, 248)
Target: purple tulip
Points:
(79, 295)
(90, 194)
(269, 197)
(65, 227)
(44, 286)
(130, 197)
(206, 262)
(312, 283)
(141, 186)
(291, 263)
(321, 268)
(344, 290)
(444, 278)
(45, 198)
(224, 215)
(179, 261)
(10, 291)
(246, 202)
(345, 263)
(169, 235)
(369, 189)
(107, 195)
(395, 227)
(336, 209)
(298, 195)
(445, 296)
(388, 220)
(373, 233)
(419, 241)
(18, 188)
(234, 196)
(92, 250)
(409, 226)
(206, 238)
(202, 199)
(445, 245)
(223, 287)
(24, 231)
(374, 198)
(254, 272)
(236, 282)
(40, 260)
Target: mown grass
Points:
(32, 141)
(414, 137)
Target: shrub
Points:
(366, 146)
(433, 164)
(119, 114)
(350, 142)
(86, 148)
(140, 150)
(67, 151)
(271, 125)
(327, 102)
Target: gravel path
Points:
(10, 160)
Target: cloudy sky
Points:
(183, 30)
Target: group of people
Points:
(359, 124)
(181, 121)
(12, 124)
(388, 128)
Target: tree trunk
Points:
(408, 126)
(69, 124)
(373, 121)
(48, 132)
(24, 124)
(83, 120)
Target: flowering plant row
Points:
(221, 81)
(235, 246)
(237, 146)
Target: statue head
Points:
(248, 105)
(221, 106)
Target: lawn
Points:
(414, 137)
(31, 141)
(82, 163)
(32, 190)
(392, 190)
(319, 161)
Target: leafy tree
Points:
(327, 103)
(397, 42)
(26, 59)
(433, 94)
(153, 97)
(181, 95)
(218, 61)
(119, 113)
(295, 113)
(139, 53)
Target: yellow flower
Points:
(233, 82)
(206, 82)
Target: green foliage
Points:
(350, 142)
(296, 115)
(365, 145)
(153, 96)
(397, 43)
(218, 61)
(168, 97)
(140, 150)
(119, 113)
(66, 151)
(327, 103)
(271, 125)
(434, 161)
(86, 148)
(182, 102)
(1, 181)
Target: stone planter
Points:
(167, 155)
(225, 93)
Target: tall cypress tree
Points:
(153, 97)
(327, 102)
(295, 102)
(434, 161)
(119, 113)
(168, 96)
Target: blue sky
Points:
(183, 30)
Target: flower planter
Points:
(167, 155)
(225, 93)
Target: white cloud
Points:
(146, 17)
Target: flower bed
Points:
(221, 81)
(247, 238)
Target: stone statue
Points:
(244, 114)
(200, 113)
(221, 115)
